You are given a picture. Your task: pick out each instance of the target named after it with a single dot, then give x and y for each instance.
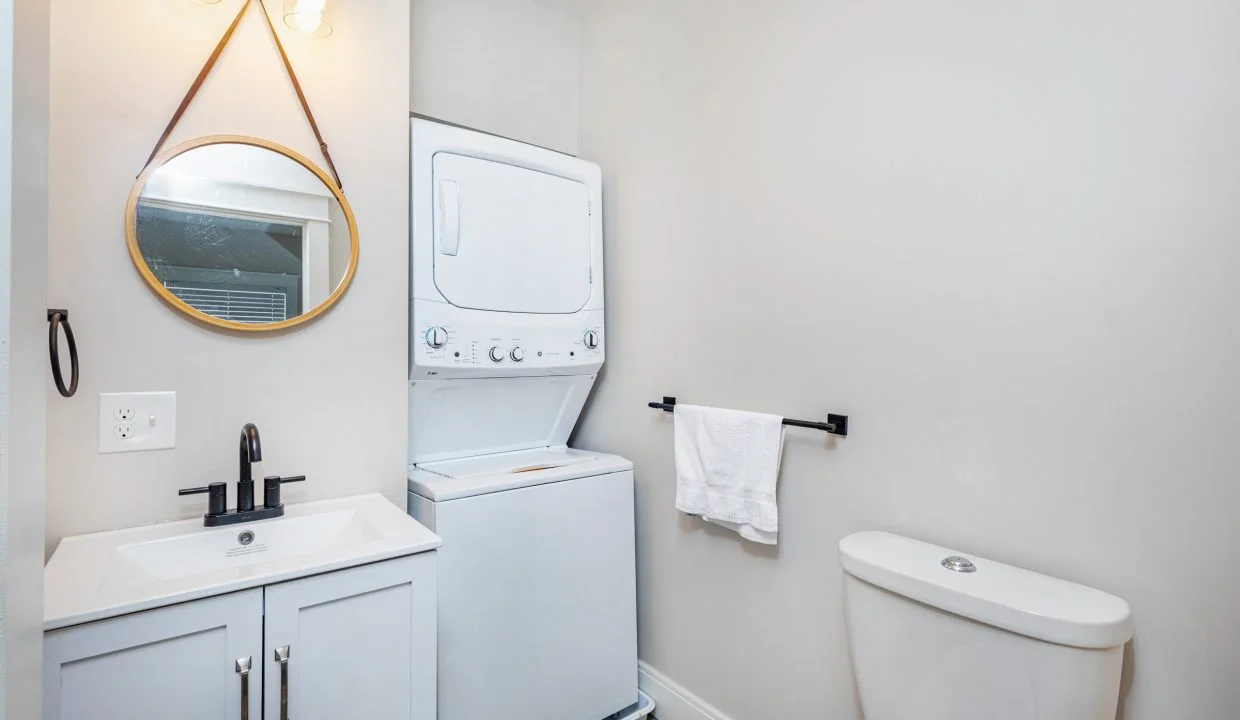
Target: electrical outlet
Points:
(130, 422)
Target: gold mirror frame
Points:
(135, 253)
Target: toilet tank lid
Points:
(1003, 596)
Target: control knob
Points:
(591, 339)
(496, 354)
(436, 337)
(517, 354)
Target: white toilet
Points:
(937, 636)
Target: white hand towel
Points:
(727, 465)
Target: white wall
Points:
(508, 67)
(329, 397)
(1002, 236)
(23, 350)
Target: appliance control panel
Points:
(443, 349)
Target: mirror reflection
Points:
(242, 233)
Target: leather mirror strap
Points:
(197, 84)
(305, 105)
(206, 70)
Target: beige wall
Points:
(23, 350)
(329, 397)
(508, 67)
(1002, 236)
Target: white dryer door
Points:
(510, 239)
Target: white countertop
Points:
(102, 575)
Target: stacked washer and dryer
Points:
(537, 589)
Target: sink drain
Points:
(246, 537)
(958, 564)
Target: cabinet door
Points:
(492, 217)
(357, 643)
(175, 662)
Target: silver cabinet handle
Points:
(243, 669)
(282, 654)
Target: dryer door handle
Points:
(449, 217)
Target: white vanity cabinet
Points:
(174, 662)
(353, 643)
(357, 643)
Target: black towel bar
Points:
(835, 424)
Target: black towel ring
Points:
(56, 318)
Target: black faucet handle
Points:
(271, 488)
(217, 500)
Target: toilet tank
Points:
(978, 642)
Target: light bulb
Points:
(307, 22)
(306, 16)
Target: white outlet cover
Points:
(154, 425)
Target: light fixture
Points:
(306, 17)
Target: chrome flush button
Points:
(246, 537)
(955, 563)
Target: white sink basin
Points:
(91, 577)
(202, 553)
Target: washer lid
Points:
(476, 417)
(453, 479)
(1003, 596)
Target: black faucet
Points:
(217, 511)
(251, 452)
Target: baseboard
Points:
(673, 701)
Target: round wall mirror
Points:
(241, 233)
